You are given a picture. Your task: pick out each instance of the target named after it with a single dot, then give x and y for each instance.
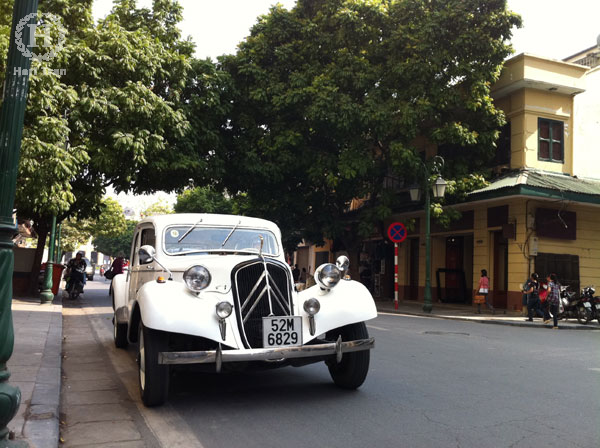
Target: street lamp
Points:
(439, 189)
(12, 113)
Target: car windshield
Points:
(211, 239)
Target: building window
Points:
(551, 140)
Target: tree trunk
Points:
(42, 231)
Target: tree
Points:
(205, 200)
(110, 223)
(114, 117)
(158, 208)
(335, 96)
(115, 244)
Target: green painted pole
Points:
(57, 251)
(47, 296)
(427, 305)
(12, 114)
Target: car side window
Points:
(148, 238)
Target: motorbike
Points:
(568, 300)
(75, 284)
(584, 305)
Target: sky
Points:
(551, 28)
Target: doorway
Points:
(500, 280)
(454, 264)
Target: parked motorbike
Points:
(584, 305)
(596, 308)
(568, 300)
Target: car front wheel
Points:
(352, 371)
(153, 377)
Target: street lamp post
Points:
(12, 114)
(439, 188)
(47, 296)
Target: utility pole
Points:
(12, 114)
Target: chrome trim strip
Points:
(265, 354)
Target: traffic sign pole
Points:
(396, 276)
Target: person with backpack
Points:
(532, 290)
(553, 300)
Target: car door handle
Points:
(149, 267)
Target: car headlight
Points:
(328, 275)
(197, 278)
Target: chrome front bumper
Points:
(219, 356)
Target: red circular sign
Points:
(397, 232)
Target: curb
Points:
(493, 322)
(42, 425)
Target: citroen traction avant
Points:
(215, 291)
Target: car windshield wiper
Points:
(231, 233)
(189, 230)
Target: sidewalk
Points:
(35, 368)
(469, 313)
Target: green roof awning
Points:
(542, 184)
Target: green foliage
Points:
(109, 223)
(158, 208)
(116, 244)
(115, 118)
(332, 96)
(205, 200)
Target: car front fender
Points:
(119, 293)
(347, 303)
(171, 307)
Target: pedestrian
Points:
(117, 267)
(484, 289)
(295, 273)
(532, 290)
(302, 279)
(553, 300)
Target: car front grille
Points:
(261, 289)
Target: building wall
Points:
(523, 108)
(587, 128)
(521, 258)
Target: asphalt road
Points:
(432, 383)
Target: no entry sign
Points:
(397, 232)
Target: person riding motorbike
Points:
(76, 271)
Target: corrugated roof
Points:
(545, 180)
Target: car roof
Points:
(161, 221)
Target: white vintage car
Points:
(215, 290)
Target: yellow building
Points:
(538, 215)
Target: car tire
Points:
(153, 377)
(120, 334)
(90, 278)
(352, 371)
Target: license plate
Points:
(587, 304)
(280, 331)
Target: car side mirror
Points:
(146, 254)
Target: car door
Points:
(133, 271)
(147, 272)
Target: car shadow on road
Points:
(263, 388)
